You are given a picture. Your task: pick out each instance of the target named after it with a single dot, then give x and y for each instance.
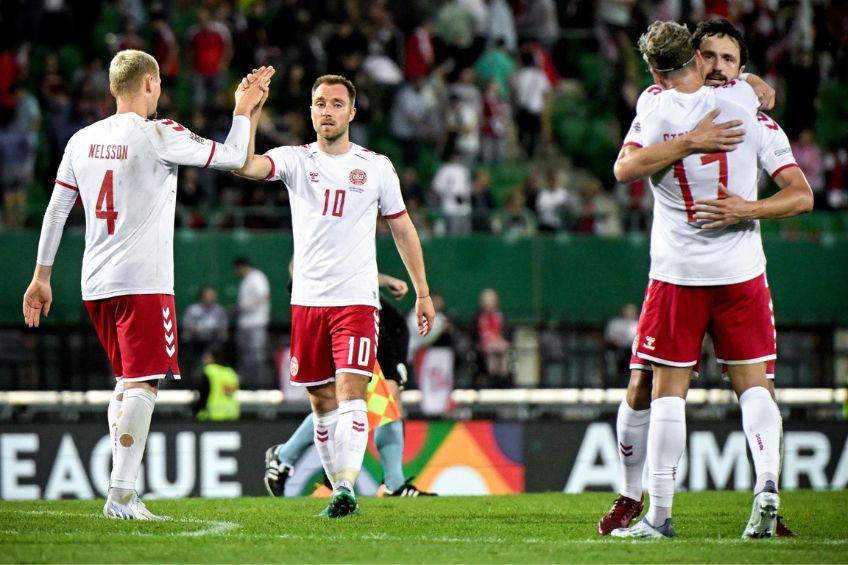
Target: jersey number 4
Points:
(683, 181)
(105, 209)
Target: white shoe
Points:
(643, 529)
(763, 518)
(133, 510)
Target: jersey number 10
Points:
(680, 176)
(105, 209)
(338, 203)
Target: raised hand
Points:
(253, 89)
(711, 137)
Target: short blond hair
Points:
(127, 71)
(667, 46)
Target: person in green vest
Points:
(218, 386)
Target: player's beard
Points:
(716, 79)
(335, 135)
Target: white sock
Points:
(131, 431)
(632, 432)
(325, 441)
(666, 442)
(113, 412)
(351, 441)
(762, 425)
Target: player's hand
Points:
(765, 93)
(397, 287)
(37, 299)
(424, 313)
(725, 211)
(252, 91)
(710, 137)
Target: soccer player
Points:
(708, 267)
(124, 169)
(388, 438)
(336, 189)
(725, 55)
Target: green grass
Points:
(532, 528)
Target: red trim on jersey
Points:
(66, 185)
(774, 174)
(393, 216)
(211, 153)
(273, 167)
(632, 143)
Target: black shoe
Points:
(276, 473)
(408, 489)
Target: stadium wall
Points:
(480, 457)
(569, 279)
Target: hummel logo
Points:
(760, 442)
(358, 426)
(626, 450)
(167, 325)
(170, 350)
(322, 435)
(166, 312)
(649, 342)
(313, 177)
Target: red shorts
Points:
(738, 317)
(642, 365)
(139, 334)
(327, 340)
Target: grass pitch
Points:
(531, 528)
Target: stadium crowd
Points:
(501, 116)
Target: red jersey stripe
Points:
(777, 172)
(211, 154)
(397, 215)
(631, 143)
(273, 168)
(66, 185)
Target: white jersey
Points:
(125, 169)
(682, 251)
(334, 201)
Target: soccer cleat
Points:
(276, 473)
(343, 504)
(643, 529)
(780, 529)
(408, 489)
(763, 518)
(133, 510)
(624, 509)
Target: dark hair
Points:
(242, 262)
(721, 27)
(336, 79)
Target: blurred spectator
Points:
(492, 345)
(619, 334)
(836, 167)
(254, 314)
(462, 130)
(166, 48)
(496, 64)
(412, 190)
(217, 389)
(809, 157)
(595, 212)
(384, 37)
(496, 121)
(204, 325)
(420, 56)
(501, 26)
(531, 89)
(192, 204)
(516, 219)
(536, 20)
(552, 203)
(346, 49)
(802, 81)
(19, 148)
(412, 117)
(482, 202)
(211, 49)
(452, 184)
(129, 39)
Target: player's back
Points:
(129, 196)
(682, 250)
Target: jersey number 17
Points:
(683, 181)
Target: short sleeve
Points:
(774, 152)
(391, 199)
(178, 145)
(634, 135)
(281, 159)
